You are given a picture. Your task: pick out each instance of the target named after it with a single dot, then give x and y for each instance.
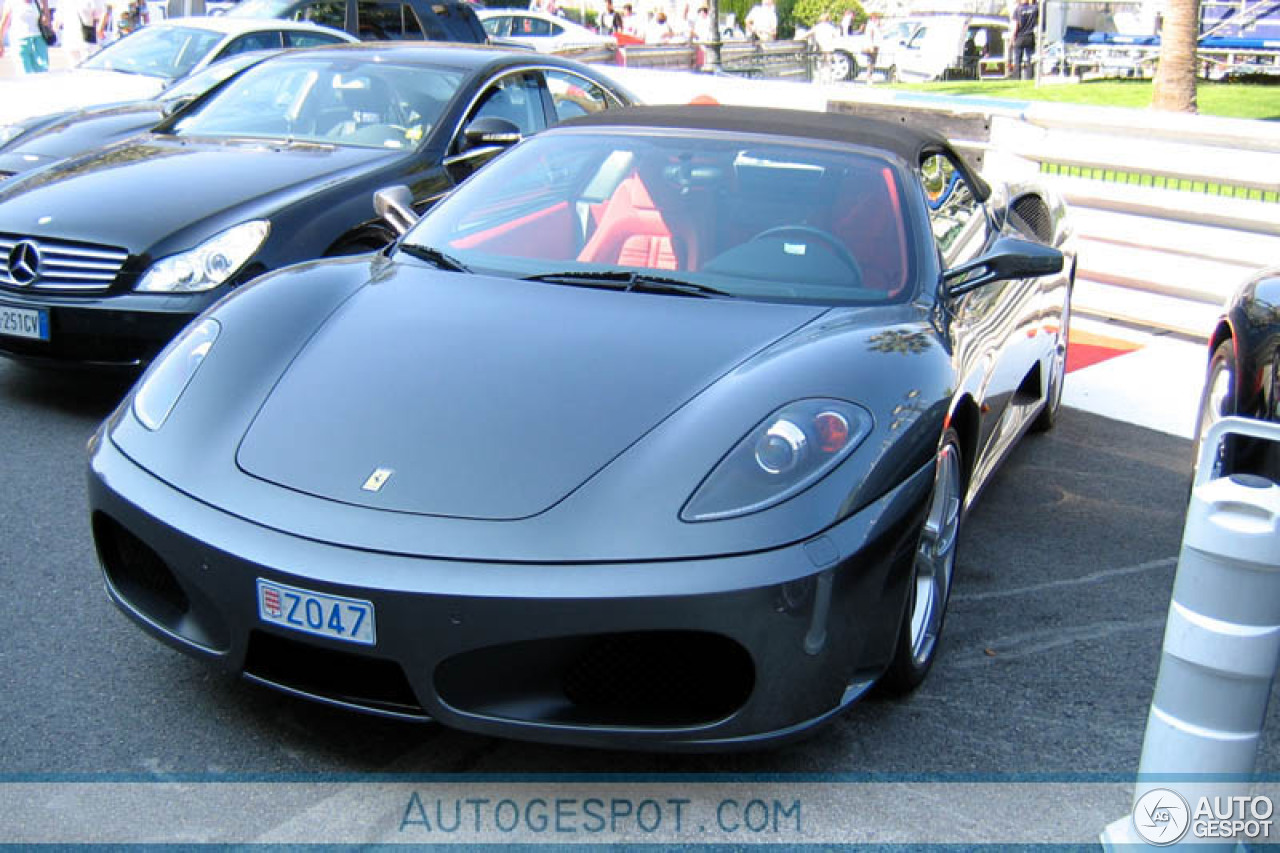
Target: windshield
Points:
(163, 51)
(339, 101)
(260, 8)
(762, 218)
(206, 78)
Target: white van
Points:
(953, 47)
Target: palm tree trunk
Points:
(1175, 84)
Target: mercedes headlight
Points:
(785, 454)
(209, 264)
(164, 383)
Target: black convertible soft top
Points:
(906, 141)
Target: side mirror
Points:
(490, 132)
(1009, 258)
(172, 106)
(395, 206)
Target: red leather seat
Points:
(631, 231)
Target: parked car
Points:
(378, 20)
(953, 47)
(659, 432)
(276, 167)
(1243, 376)
(850, 55)
(539, 30)
(46, 139)
(146, 62)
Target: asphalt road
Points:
(1048, 662)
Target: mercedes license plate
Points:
(30, 323)
(333, 616)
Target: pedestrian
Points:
(824, 33)
(631, 21)
(874, 33)
(659, 30)
(611, 20)
(762, 21)
(1026, 19)
(134, 17)
(703, 32)
(20, 23)
(108, 22)
(79, 28)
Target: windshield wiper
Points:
(434, 256)
(630, 281)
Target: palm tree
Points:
(1175, 84)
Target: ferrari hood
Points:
(474, 397)
(167, 184)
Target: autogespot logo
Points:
(1161, 817)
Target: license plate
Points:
(30, 323)
(332, 616)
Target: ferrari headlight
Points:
(209, 264)
(785, 454)
(160, 389)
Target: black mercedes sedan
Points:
(658, 433)
(105, 256)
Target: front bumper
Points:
(126, 330)
(657, 655)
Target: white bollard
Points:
(1221, 651)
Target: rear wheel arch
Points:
(1222, 333)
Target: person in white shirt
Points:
(762, 21)
(20, 23)
(79, 19)
(631, 23)
(108, 23)
(824, 33)
(702, 31)
(659, 29)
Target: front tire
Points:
(1218, 400)
(842, 65)
(932, 571)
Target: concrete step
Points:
(1185, 160)
(1105, 301)
(1158, 272)
(1184, 239)
(1253, 217)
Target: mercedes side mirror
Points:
(394, 205)
(490, 132)
(1009, 258)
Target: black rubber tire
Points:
(1220, 386)
(851, 71)
(914, 655)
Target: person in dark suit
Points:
(1026, 20)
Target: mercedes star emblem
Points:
(24, 262)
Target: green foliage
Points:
(738, 8)
(805, 13)
(786, 26)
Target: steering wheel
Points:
(838, 248)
